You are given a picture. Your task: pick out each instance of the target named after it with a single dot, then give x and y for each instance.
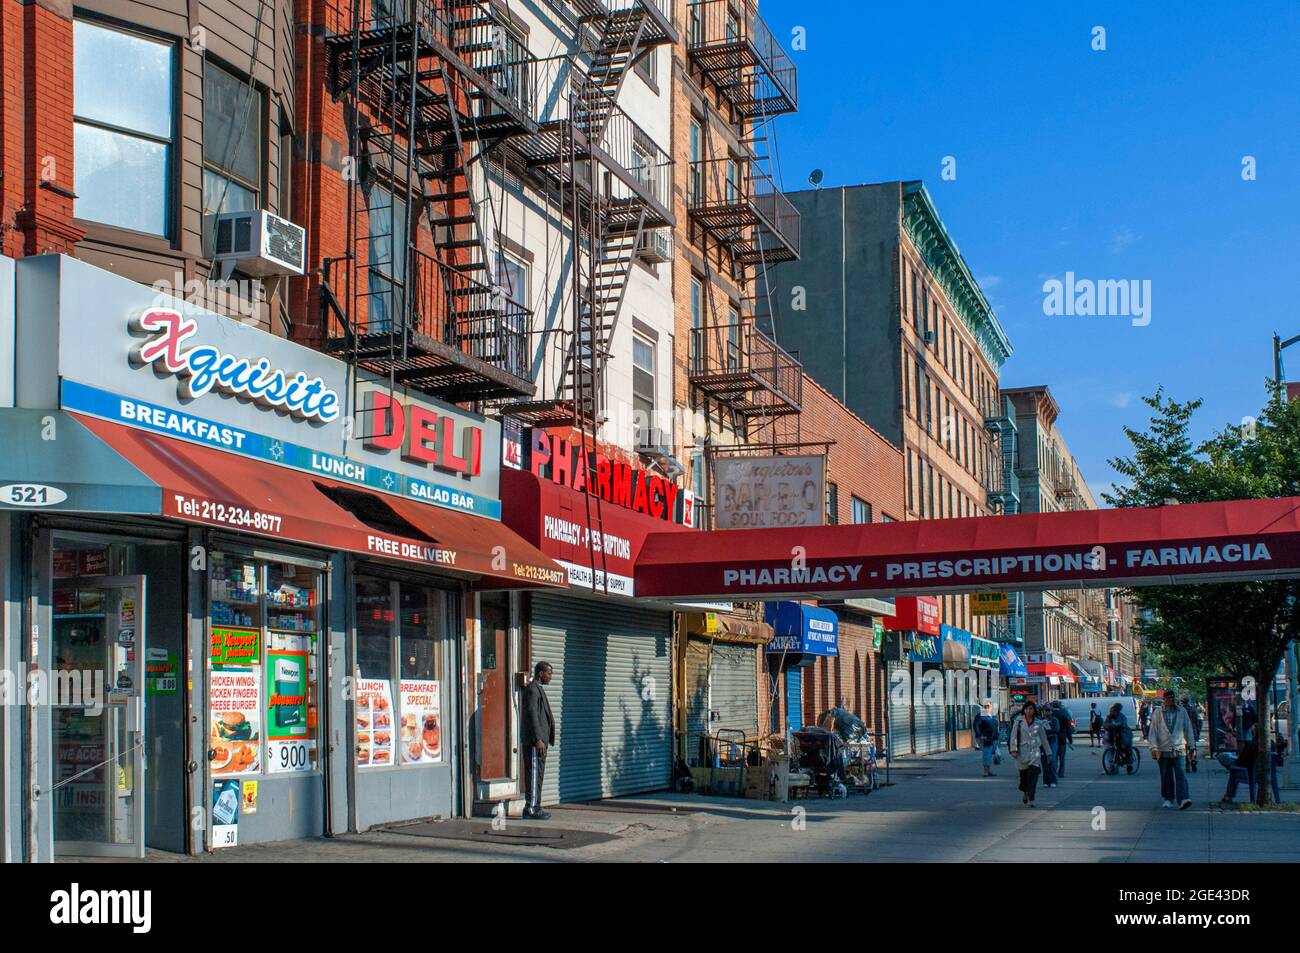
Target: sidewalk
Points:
(938, 808)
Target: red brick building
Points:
(865, 484)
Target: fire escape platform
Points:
(433, 367)
(732, 68)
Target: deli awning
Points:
(1187, 543)
(202, 485)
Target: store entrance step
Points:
(515, 833)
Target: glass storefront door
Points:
(98, 701)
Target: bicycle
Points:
(1113, 758)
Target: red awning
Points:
(203, 485)
(1198, 542)
(1050, 668)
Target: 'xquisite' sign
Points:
(204, 367)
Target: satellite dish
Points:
(815, 178)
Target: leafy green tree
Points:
(1242, 628)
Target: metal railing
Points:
(741, 353)
(732, 192)
(735, 39)
(566, 95)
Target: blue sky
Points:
(1117, 164)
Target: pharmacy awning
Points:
(1167, 545)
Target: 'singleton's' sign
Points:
(204, 368)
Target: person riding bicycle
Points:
(1118, 734)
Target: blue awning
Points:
(803, 629)
(1011, 665)
(956, 647)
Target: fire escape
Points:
(614, 186)
(737, 213)
(429, 86)
(1003, 498)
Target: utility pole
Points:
(1293, 730)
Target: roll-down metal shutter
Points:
(931, 726)
(900, 714)
(794, 698)
(611, 694)
(721, 678)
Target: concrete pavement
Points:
(939, 808)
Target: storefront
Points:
(964, 686)
(275, 601)
(723, 673)
(917, 719)
(613, 659)
(802, 636)
(1050, 673)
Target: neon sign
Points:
(205, 368)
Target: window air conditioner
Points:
(656, 246)
(260, 244)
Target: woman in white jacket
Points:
(1027, 743)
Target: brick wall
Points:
(860, 462)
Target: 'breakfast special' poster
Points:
(421, 721)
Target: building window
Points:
(832, 504)
(386, 269)
(861, 511)
(886, 518)
(647, 67)
(696, 155)
(697, 319)
(123, 105)
(512, 278)
(907, 480)
(734, 355)
(643, 388)
(232, 143)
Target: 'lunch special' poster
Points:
(374, 723)
(235, 709)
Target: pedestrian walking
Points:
(1171, 733)
(1195, 717)
(537, 737)
(1064, 734)
(1144, 719)
(1050, 728)
(1095, 722)
(1027, 743)
(986, 730)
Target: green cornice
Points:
(926, 230)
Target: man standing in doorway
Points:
(538, 734)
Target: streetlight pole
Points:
(1293, 729)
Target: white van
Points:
(1079, 707)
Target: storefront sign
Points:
(984, 653)
(988, 603)
(915, 614)
(235, 736)
(560, 460)
(374, 723)
(202, 368)
(765, 492)
(235, 646)
(926, 648)
(802, 629)
(421, 706)
(290, 739)
(119, 351)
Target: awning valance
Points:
(201, 485)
